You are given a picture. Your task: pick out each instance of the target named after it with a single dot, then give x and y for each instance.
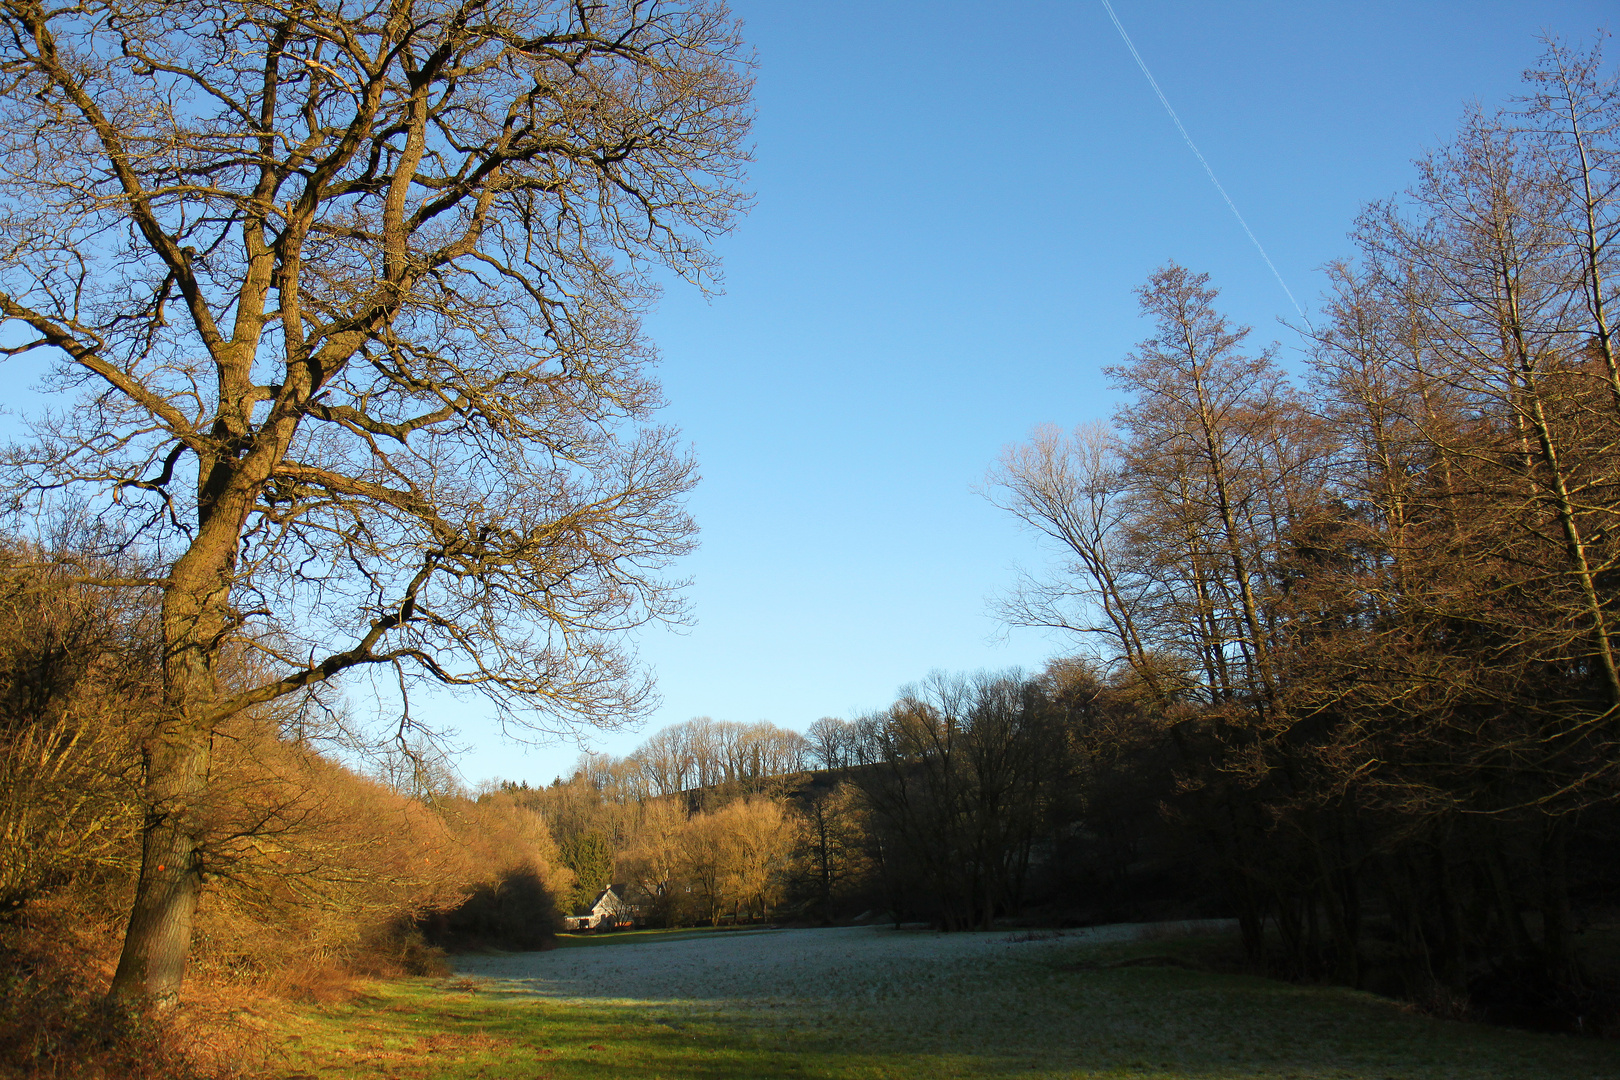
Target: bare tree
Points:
(960, 772)
(349, 297)
(760, 840)
(1201, 433)
(1072, 490)
(666, 761)
(832, 839)
(1482, 230)
(1574, 109)
(652, 863)
(1170, 528)
(832, 742)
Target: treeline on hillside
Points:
(315, 871)
(971, 799)
(700, 753)
(696, 820)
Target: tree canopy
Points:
(347, 296)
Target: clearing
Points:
(862, 1002)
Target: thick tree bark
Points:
(195, 622)
(152, 965)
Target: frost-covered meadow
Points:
(775, 968)
(855, 987)
(991, 1003)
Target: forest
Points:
(1349, 670)
(1338, 659)
(1349, 667)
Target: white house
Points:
(609, 911)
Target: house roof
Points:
(581, 910)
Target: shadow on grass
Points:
(649, 937)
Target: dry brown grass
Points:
(55, 963)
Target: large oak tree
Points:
(346, 298)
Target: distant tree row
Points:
(700, 753)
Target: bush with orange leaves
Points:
(729, 863)
(315, 874)
(316, 869)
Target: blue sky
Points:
(955, 202)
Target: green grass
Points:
(1050, 1015)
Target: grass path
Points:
(909, 1006)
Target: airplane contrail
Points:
(1194, 148)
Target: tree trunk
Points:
(158, 938)
(1557, 948)
(1453, 958)
(195, 617)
